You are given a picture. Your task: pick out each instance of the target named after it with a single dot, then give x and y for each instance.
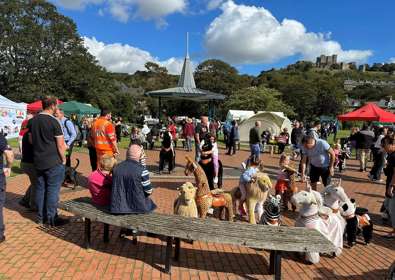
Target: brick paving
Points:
(31, 252)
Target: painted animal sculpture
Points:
(356, 223)
(205, 199)
(256, 194)
(185, 204)
(334, 195)
(271, 211)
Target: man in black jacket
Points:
(364, 141)
(296, 138)
(255, 139)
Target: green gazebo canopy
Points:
(74, 107)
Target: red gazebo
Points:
(36, 106)
(368, 112)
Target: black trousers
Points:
(166, 156)
(93, 158)
(232, 145)
(226, 140)
(378, 163)
(2, 202)
(69, 152)
(281, 148)
(317, 172)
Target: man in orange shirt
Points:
(103, 136)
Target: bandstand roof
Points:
(186, 88)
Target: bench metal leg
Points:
(177, 249)
(169, 249)
(275, 264)
(271, 263)
(87, 233)
(106, 233)
(134, 239)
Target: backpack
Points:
(76, 128)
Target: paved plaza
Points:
(31, 252)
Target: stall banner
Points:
(10, 121)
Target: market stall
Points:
(36, 106)
(369, 112)
(12, 115)
(79, 109)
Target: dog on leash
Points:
(71, 175)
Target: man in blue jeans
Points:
(255, 140)
(5, 171)
(49, 159)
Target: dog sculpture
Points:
(358, 221)
(310, 202)
(206, 199)
(185, 204)
(334, 195)
(71, 175)
(257, 193)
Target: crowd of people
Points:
(48, 140)
(46, 148)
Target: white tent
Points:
(11, 116)
(275, 122)
(239, 115)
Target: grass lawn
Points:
(16, 169)
(13, 142)
(340, 134)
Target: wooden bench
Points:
(175, 228)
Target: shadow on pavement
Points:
(246, 265)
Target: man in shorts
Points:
(322, 159)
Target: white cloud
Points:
(123, 58)
(213, 4)
(77, 4)
(123, 10)
(392, 60)
(119, 11)
(251, 35)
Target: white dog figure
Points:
(309, 202)
(334, 195)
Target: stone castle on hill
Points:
(330, 62)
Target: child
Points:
(285, 185)
(215, 158)
(248, 176)
(100, 181)
(337, 149)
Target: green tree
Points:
(37, 44)
(311, 93)
(258, 99)
(219, 77)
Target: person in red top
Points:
(100, 181)
(189, 132)
(23, 130)
(173, 131)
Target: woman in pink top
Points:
(100, 181)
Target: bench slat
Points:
(208, 230)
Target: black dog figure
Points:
(358, 221)
(71, 175)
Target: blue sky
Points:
(252, 35)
